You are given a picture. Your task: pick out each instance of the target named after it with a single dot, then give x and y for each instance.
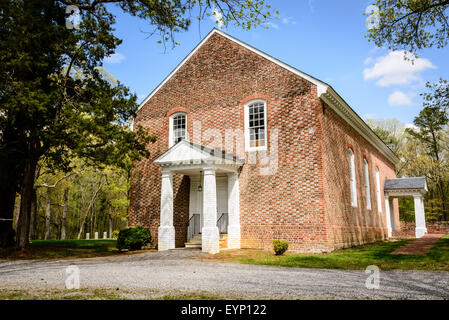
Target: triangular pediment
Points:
(186, 152)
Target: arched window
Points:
(178, 128)
(352, 178)
(379, 198)
(256, 125)
(367, 185)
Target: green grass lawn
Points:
(59, 249)
(353, 258)
(104, 294)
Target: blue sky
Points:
(323, 38)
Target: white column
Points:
(210, 234)
(166, 231)
(233, 212)
(420, 217)
(388, 215)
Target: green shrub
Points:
(114, 234)
(133, 238)
(279, 247)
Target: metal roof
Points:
(406, 183)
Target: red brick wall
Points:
(352, 225)
(212, 86)
(408, 228)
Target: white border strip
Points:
(321, 86)
(324, 91)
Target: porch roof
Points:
(409, 183)
(187, 153)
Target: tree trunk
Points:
(47, 214)
(23, 226)
(33, 218)
(16, 212)
(110, 223)
(7, 200)
(64, 213)
(83, 219)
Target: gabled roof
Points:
(186, 152)
(415, 183)
(320, 84)
(324, 91)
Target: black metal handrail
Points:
(193, 225)
(222, 223)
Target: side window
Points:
(178, 128)
(379, 198)
(352, 178)
(367, 185)
(255, 125)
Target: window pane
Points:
(179, 128)
(256, 124)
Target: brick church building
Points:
(250, 149)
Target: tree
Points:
(410, 25)
(55, 100)
(439, 95)
(431, 123)
(389, 131)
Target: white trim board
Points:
(324, 91)
(322, 87)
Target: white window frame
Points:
(379, 196)
(171, 135)
(352, 177)
(246, 114)
(367, 184)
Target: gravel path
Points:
(176, 270)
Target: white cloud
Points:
(217, 17)
(368, 60)
(410, 126)
(288, 20)
(399, 98)
(114, 58)
(311, 7)
(272, 25)
(393, 69)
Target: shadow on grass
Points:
(378, 254)
(54, 249)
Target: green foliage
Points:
(133, 238)
(279, 247)
(115, 234)
(407, 210)
(389, 130)
(411, 25)
(422, 151)
(438, 95)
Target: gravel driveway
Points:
(176, 270)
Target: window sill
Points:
(256, 149)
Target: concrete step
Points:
(193, 245)
(223, 244)
(223, 236)
(195, 241)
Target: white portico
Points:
(214, 189)
(414, 187)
